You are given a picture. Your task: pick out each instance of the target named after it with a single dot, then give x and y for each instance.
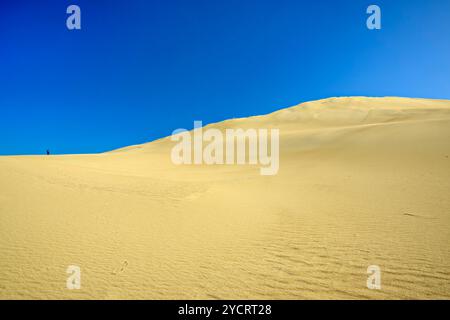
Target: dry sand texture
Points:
(362, 181)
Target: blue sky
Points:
(137, 70)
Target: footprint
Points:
(410, 214)
(124, 265)
(417, 216)
(122, 268)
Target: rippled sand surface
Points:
(362, 181)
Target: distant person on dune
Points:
(48, 152)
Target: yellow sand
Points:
(362, 181)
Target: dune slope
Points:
(362, 181)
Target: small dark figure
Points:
(48, 152)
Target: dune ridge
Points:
(362, 181)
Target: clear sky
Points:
(137, 70)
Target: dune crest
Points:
(362, 181)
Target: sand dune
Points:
(362, 181)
